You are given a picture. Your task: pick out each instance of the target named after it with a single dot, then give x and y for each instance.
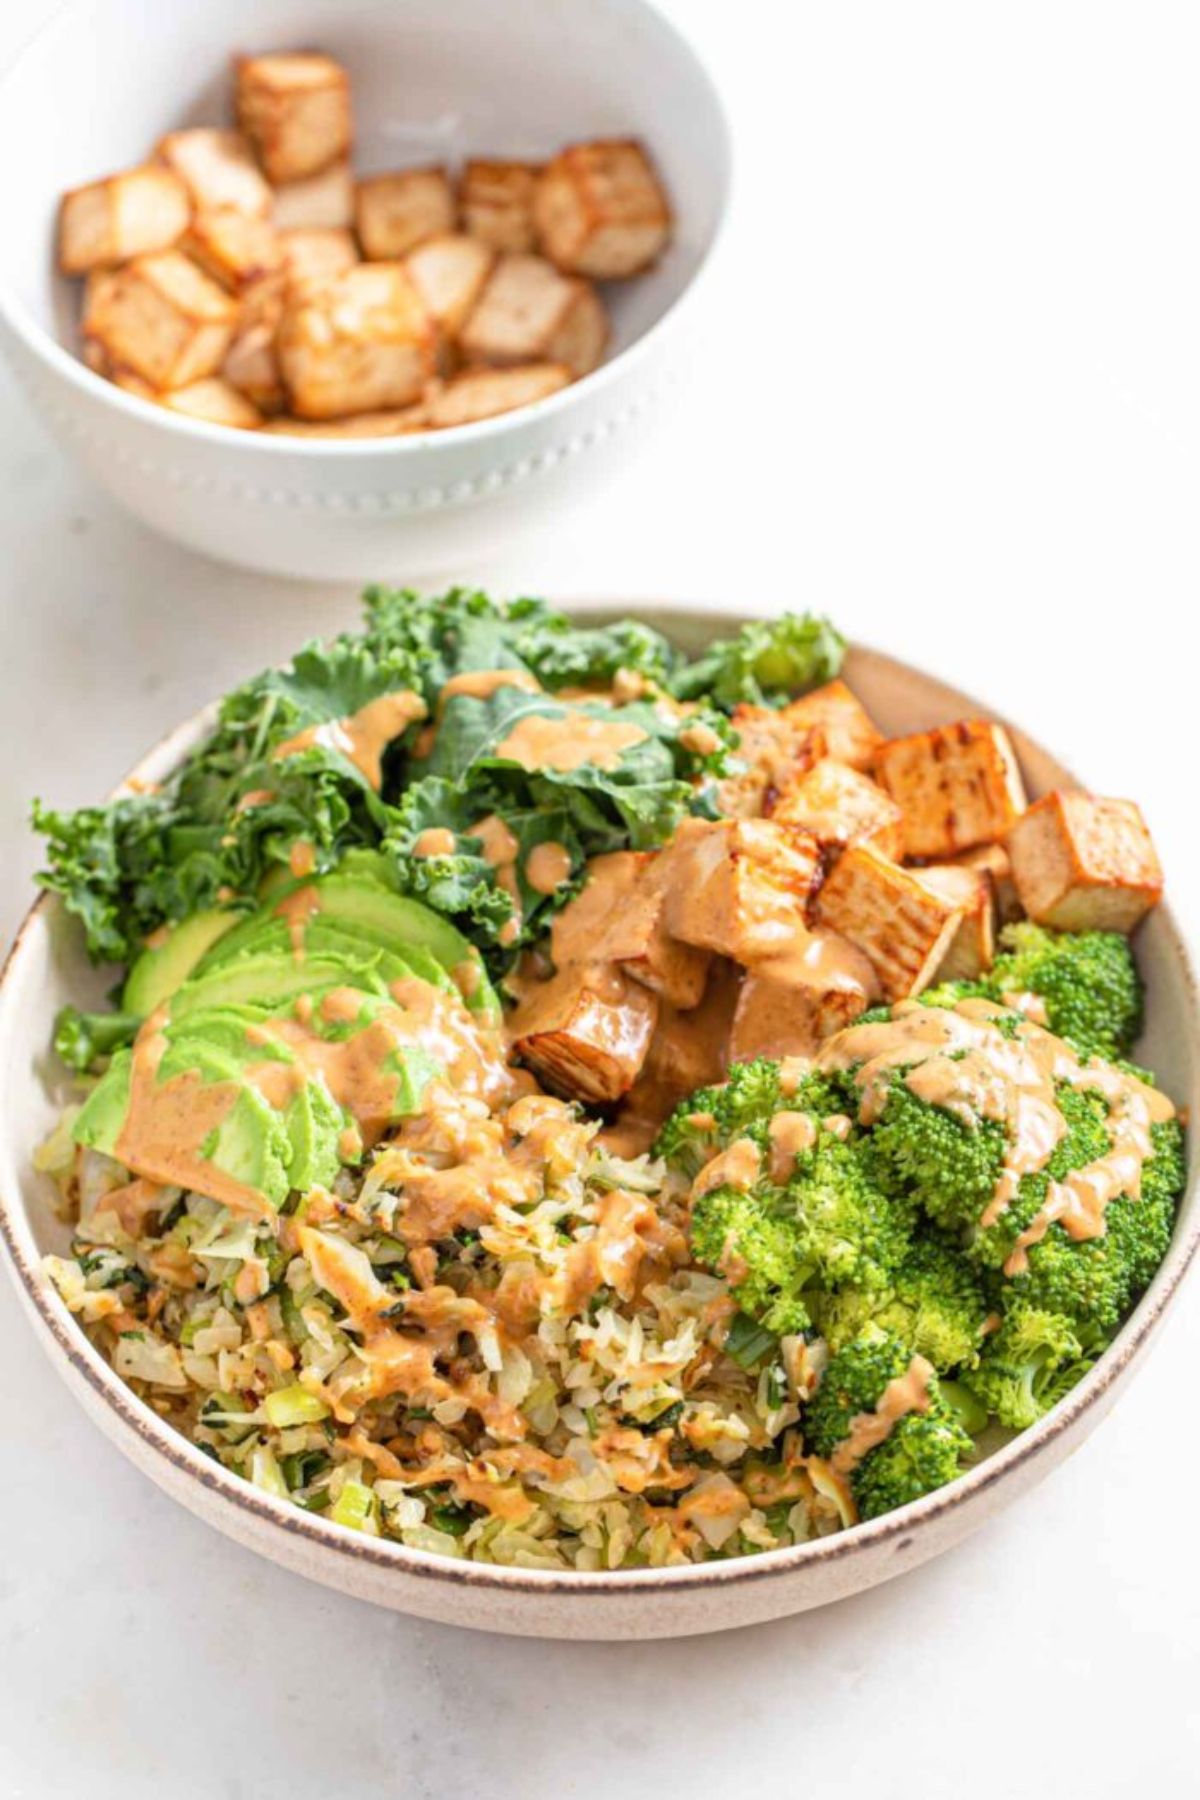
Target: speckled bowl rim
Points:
(47, 348)
(898, 1527)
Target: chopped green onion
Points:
(354, 1506)
(293, 1406)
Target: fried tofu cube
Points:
(993, 860)
(218, 169)
(528, 312)
(739, 886)
(395, 213)
(215, 401)
(789, 1004)
(619, 917)
(323, 202)
(132, 214)
(904, 927)
(361, 343)
(238, 250)
(311, 258)
(497, 203)
(1082, 863)
(851, 735)
(366, 425)
(772, 753)
(449, 272)
(163, 318)
(251, 363)
(973, 946)
(957, 786)
(484, 393)
(840, 806)
(600, 210)
(688, 1051)
(586, 1031)
(98, 360)
(295, 109)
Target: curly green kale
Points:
(1087, 980)
(767, 662)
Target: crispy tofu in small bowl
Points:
(353, 281)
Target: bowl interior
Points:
(433, 80)
(48, 968)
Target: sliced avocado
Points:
(98, 1124)
(157, 972)
(275, 981)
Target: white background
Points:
(952, 395)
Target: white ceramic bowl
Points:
(433, 79)
(47, 967)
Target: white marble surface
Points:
(965, 254)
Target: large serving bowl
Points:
(47, 968)
(434, 80)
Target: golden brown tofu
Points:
(484, 393)
(585, 1032)
(973, 946)
(366, 425)
(311, 258)
(840, 806)
(851, 735)
(127, 215)
(1083, 863)
(449, 272)
(218, 169)
(163, 318)
(361, 343)
(789, 1004)
(600, 210)
(689, 1050)
(235, 248)
(395, 213)
(215, 401)
(902, 925)
(993, 860)
(618, 917)
(957, 786)
(98, 359)
(497, 202)
(772, 753)
(739, 886)
(528, 312)
(251, 363)
(295, 109)
(324, 202)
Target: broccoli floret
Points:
(1085, 1140)
(1087, 980)
(743, 1106)
(931, 1156)
(936, 1306)
(1031, 1362)
(826, 1228)
(923, 1449)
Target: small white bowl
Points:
(47, 968)
(433, 80)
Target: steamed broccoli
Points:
(923, 1450)
(931, 1156)
(1087, 980)
(743, 1106)
(936, 1305)
(1031, 1362)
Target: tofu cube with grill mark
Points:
(585, 1032)
(840, 806)
(163, 318)
(362, 343)
(528, 312)
(395, 213)
(132, 214)
(449, 272)
(218, 169)
(215, 401)
(497, 203)
(98, 360)
(311, 258)
(902, 925)
(772, 752)
(957, 786)
(485, 393)
(600, 210)
(739, 887)
(851, 735)
(237, 250)
(619, 917)
(295, 109)
(788, 1006)
(973, 946)
(993, 861)
(1083, 863)
(324, 202)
